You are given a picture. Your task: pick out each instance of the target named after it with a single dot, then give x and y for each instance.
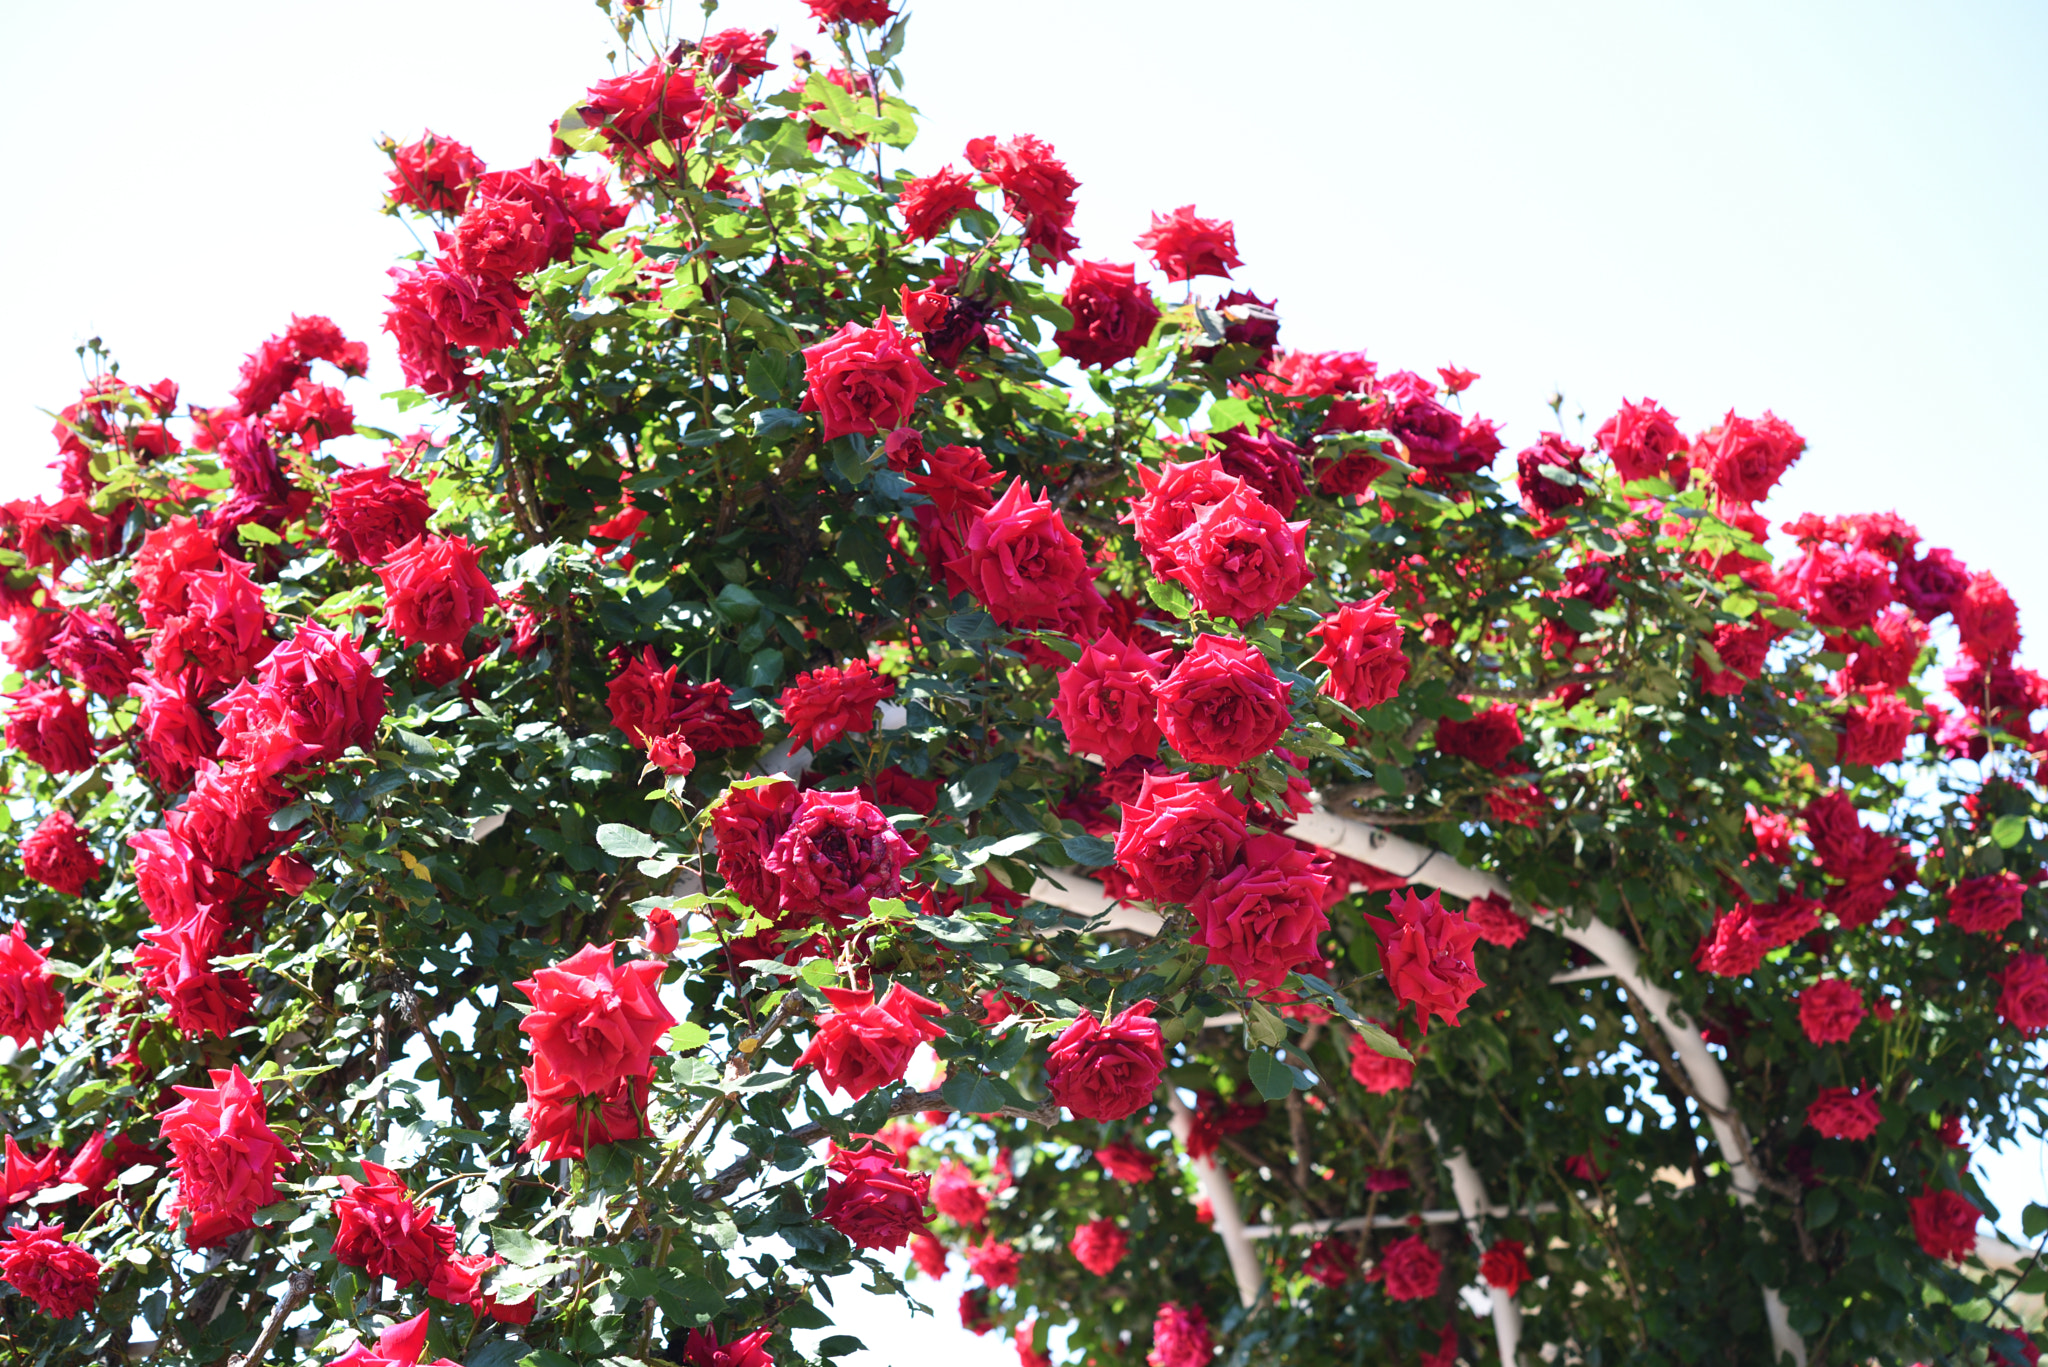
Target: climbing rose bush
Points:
(864, 733)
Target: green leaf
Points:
(972, 790)
(1170, 597)
(1089, 851)
(2008, 830)
(1264, 1024)
(1821, 1205)
(687, 1036)
(1270, 1075)
(975, 628)
(1381, 1042)
(520, 1248)
(839, 1345)
(973, 1093)
(2034, 1221)
(818, 972)
(624, 842)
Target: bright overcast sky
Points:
(1834, 211)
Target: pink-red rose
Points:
(1239, 558)
(1222, 703)
(1178, 836)
(864, 380)
(1105, 703)
(371, 512)
(55, 854)
(829, 702)
(1113, 313)
(1185, 245)
(1986, 906)
(1830, 1011)
(1427, 955)
(381, 1229)
(1262, 919)
(434, 592)
(1361, 647)
(593, 1021)
(1107, 1071)
(862, 1044)
(1027, 569)
(1099, 1246)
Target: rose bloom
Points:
(1505, 1265)
(1412, 1268)
(61, 1278)
(501, 238)
(1891, 661)
(662, 935)
(458, 1280)
(1945, 1223)
(1126, 1162)
(1107, 1071)
(1172, 495)
(1542, 496)
(1930, 584)
(1329, 1262)
(327, 691)
(224, 1155)
(1376, 1072)
(1038, 191)
(1842, 845)
(290, 874)
(593, 1021)
(1361, 646)
(1027, 569)
(30, 1004)
(1180, 1337)
(1099, 1246)
(95, 652)
(864, 380)
(571, 208)
(1986, 906)
(1642, 440)
(1270, 465)
(1844, 1113)
(872, 1200)
(929, 203)
(222, 633)
(702, 1349)
(747, 822)
(1830, 1011)
(1986, 617)
(1875, 732)
(434, 592)
(1485, 739)
(55, 854)
(2023, 998)
(958, 1196)
(434, 174)
(1743, 649)
(1747, 457)
(1114, 315)
(48, 726)
(382, 1230)
(371, 512)
(1105, 703)
(1496, 919)
(226, 819)
(1427, 955)
(996, 1264)
(1178, 836)
(562, 1121)
(1262, 919)
(837, 854)
(1184, 245)
(1239, 558)
(1842, 589)
(829, 702)
(1222, 704)
(929, 1255)
(861, 1044)
(469, 310)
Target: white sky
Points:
(1831, 210)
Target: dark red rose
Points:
(1830, 1011)
(434, 592)
(1114, 315)
(929, 203)
(1107, 1071)
(291, 875)
(1037, 190)
(1875, 732)
(837, 853)
(327, 689)
(226, 817)
(862, 1044)
(2023, 995)
(1496, 920)
(1222, 704)
(830, 701)
(1361, 646)
(1178, 836)
(1842, 589)
(55, 854)
(1543, 496)
(48, 726)
(872, 1200)
(1270, 464)
(1930, 584)
(1426, 953)
(864, 380)
(434, 174)
(1185, 245)
(1027, 569)
(1485, 739)
(1747, 457)
(95, 651)
(381, 1229)
(1945, 1224)
(1986, 906)
(174, 734)
(1412, 1269)
(1844, 1113)
(1105, 703)
(571, 208)
(1239, 558)
(1262, 919)
(747, 822)
(61, 1278)
(372, 512)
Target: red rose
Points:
(838, 853)
(641, 698)
(1105, 702)
(1427, 955)
(1222, 703)
(382, 1230)
(1485, 738)
(1361, 646)
(564, 1122)
(1844, 1113)
(872, 1200)
(956, 486)
(1126, 1162)
(1843, 589)
(1262, 919)
(958, 1196)
(1099, 1246)
(1239, 558)
(1270, 464)
(1890, 662)
(828, 12)
(434, 174)
(500, 238)
(61, 1278)
(1876, 731)
(1027, 569)
(316, 338)
(1830, 1011)
(996, 1264)
(829, 701)
(571, 208)
(1184, 245)
(861, 1044)
(48, 726)
(1986, 906)
(372, 512)
(459, 1281)
(1037, 190)
(1747, 457)
(1329, 1262)
(220, 636)
(169, 555)
(426, 355)
(1742, 648)
(328, 693)
(662, 935)
(735, 56)
(1543, 496)
(593, 1021)
(864, 380)
(929, 203)
(291, 875)
(175, 962)
(434, 592)
(1930, 584)
(929, 1255)
(95, 652)
(1986, 617)
(1172, 496)
(479, 311)
(658, 103)
(55, 854)
(1842, 845)
(223, 1154)
(30, 631)
(1180, 1338)
(30, 1005)
(923, 311)
(746, 823)
(1178, 836)
(1945, 1224)
(1114, 315)
(1376, 1072)
(1505, 1265)
(1642, 440)
(1107, 1071)
(1496, 920)
(1412, 1269)
(702, 1348)
(227, 817)
(2023, 998)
